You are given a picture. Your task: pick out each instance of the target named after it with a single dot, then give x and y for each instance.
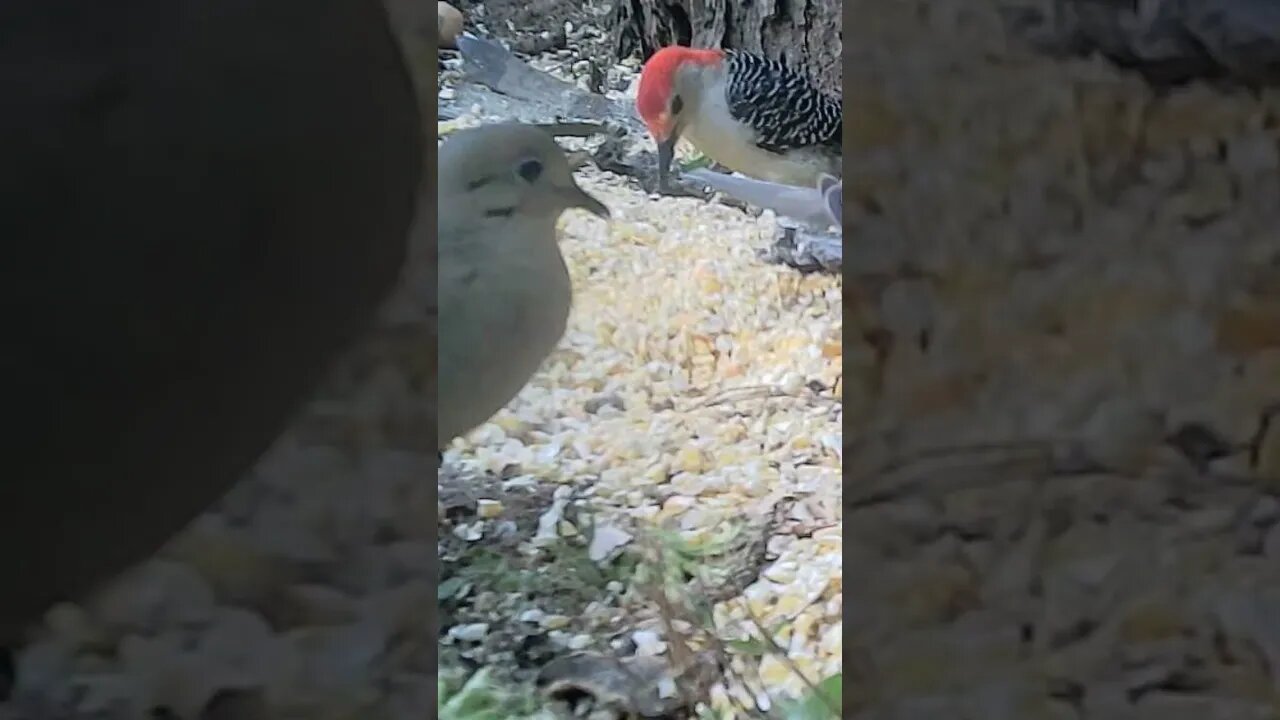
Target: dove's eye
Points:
(530, 170)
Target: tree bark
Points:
(806, 34)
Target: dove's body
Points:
(505, 293)
(490, 348)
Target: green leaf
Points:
(752, 647)
(833, 690)
(451, 588)
(699, 161)
(823, 705)
(476, 700)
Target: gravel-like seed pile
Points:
(695, 386)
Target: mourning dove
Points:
(505, 292)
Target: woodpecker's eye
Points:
(676, 105)
(530, 170)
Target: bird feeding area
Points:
(688, 420)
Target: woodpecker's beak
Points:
(575, 196)
(666, 152)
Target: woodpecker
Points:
(504, 289)
(748, 113)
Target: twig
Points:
(680, 653)
(738, 394)
(681, 656)
(755, 392)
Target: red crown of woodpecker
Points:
(657, 82)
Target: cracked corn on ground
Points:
(696, 384)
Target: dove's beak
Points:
(579, 198)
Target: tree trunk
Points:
(806, 34)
